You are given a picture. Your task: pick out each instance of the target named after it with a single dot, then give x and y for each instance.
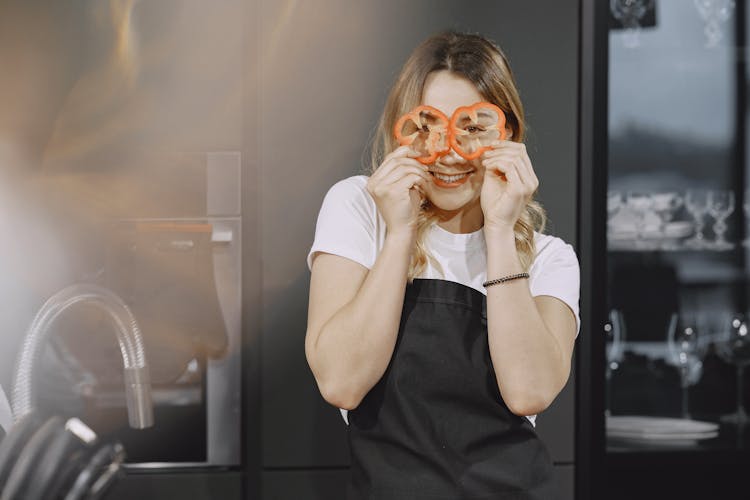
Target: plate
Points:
(646, 427)
(628, 443)
(663, 437)
(678, 229)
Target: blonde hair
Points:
(484, 64)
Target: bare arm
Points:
(353, 320)
(531, 339)
(354, 314)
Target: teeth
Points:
(449, 178)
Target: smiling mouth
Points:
(452, 178)
(450, 181)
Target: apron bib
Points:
(435, 426)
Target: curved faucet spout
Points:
(137, 381)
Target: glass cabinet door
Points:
(677, 340)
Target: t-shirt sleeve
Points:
(559, 276)
(346, 223)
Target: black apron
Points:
(435, 427)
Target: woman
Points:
(442, 372)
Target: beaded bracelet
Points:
(504, 279)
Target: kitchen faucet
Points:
(129, 338)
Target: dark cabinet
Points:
(665, 206)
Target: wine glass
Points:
(665, 205)
(713, 13)
(614, 329)
(696, 202)
(733, 346)
(640, 204)
(720, 206)
(615, 205)
(614, 202)
(629, 13)
(686, 348)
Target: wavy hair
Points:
(483, 63)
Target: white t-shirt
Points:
(349, 225)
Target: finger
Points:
(526, 172)
(392, 164)
(409, 181)
(400, 173)
(530, 174)
(383, 170)
(401, 181)
(492, 174)
(505, 165)
(500, 144)
(525, 168)
(501, 155)
(399, 152)
(516, 187)
(402, 152)
(500, 147)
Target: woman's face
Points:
(448, 91)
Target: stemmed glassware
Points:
(713, 13)
(665, 204)
(733, 346)
(640, 203)
(686, 347)
(629, 13)
(614, 203)
(720, 206)
(696, 202)
(614, 330)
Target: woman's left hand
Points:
(509, 183)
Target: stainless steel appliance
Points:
(171, 288)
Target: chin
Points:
(453, 201)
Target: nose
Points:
(451, 158)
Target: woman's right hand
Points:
(397, 188)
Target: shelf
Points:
(671, 245)
(631, 248)
(648, 458)
(692, 267)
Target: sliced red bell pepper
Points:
(425, 129)
(472, 129)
